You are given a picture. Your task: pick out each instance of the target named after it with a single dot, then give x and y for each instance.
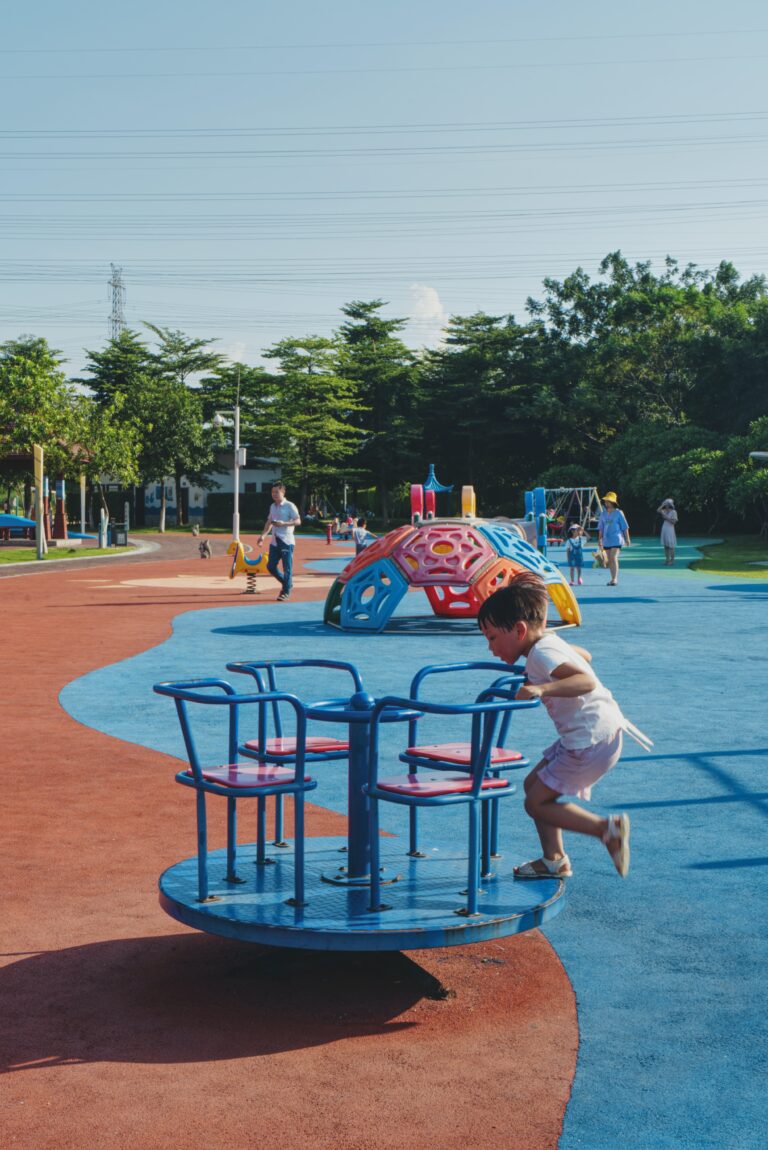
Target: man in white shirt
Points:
(282, 519)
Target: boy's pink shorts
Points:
(574, 772)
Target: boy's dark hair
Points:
(280, 485)
(362, 521)
(523, 600)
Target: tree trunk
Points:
(139, 516)
(163, 505)
(180, 520)
(384, 499)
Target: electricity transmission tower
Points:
(117, 317)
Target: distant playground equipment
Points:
(51, 528)
(20, 528)
(458, 562)
(566, 505)
(242, 565)
(16, 527)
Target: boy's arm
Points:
(567, 683)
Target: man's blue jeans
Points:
(281, 552)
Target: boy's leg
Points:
(541, 804)
(551, 838)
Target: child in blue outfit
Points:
(574, 552)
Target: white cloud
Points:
(427, 317)
(235, 352)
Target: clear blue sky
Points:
(253, 166)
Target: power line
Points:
(370, 71)
(375, 129)
(418, 150)
(353, 44)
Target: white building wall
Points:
(258, 478)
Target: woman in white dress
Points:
(668, 535)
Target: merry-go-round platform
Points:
(423, 897)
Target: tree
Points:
(174, 439)
(178, 357)
(565, 475)
(748, 484)
(118, 369)
(645, 337)
(382, 370)
(652, 461)
(34, 401)
(309, 421)
(463, 389)
(102, 443)
(253, 388)
(34, 397)
(496, 404)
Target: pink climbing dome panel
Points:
(449, 553)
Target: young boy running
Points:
(588, 721)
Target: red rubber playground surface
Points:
(122, 1029)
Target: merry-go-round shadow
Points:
(190, 998)
(757, 589)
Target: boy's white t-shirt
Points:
(581, 721)
(284, 510)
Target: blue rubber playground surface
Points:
(668, 967)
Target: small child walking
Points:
(574, 552)
(588, 720)
(361, 535)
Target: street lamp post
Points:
(219, 421)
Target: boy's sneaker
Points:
(283, 596)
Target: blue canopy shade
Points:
(432, 484)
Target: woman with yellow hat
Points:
(612, 533)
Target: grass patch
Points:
(736, 555)
(29, 554)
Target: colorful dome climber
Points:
(458, 563)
